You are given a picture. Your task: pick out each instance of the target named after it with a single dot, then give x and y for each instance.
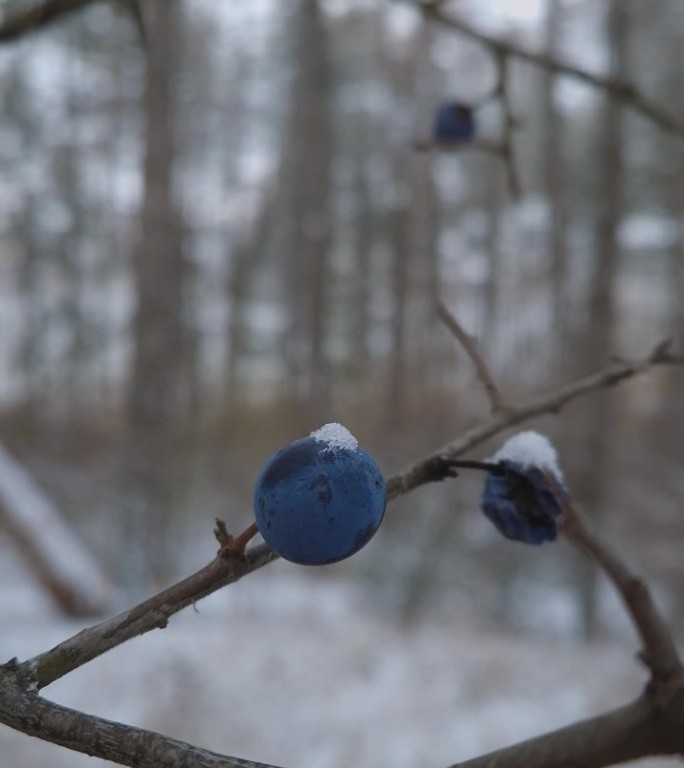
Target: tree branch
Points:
(625, 92)
(226, 568)
(484, 375)
(660, 652)
(636, 730)
(624, 734)
(422, 471)
(33, 715)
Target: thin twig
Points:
(239, 542)
(467, 342)
(419, 472)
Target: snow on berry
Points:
(517, 496)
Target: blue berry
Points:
(320, 499)
(521, 504)
(454, 123)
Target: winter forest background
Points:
(256, 191)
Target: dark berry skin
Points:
(316, 504)
(454, 123)
(521, 504)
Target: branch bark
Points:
(226, 568)
(660, 652)
(624, 734)
(630, 732)
(25, 711)
(484, 375)
(423, 470)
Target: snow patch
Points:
(336, 437)
(36, 520)
(530, 449)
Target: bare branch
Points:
(123, 744)
(226, 568)
(623, 91)
(660, 652)
(419, 473)
(468, 343)
(624, 734)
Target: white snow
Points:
(33, 515)
(530, 449)
(336, 437)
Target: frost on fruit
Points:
(530, 449)
(335, 437)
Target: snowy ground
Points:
(296, 672)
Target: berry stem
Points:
(239, 542)
(485, 466)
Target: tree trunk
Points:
(599, 336)
(363, 247)
(306, 187)
(158, 328)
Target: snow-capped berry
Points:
(454, 123)
(517, 496)
(320, 499)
